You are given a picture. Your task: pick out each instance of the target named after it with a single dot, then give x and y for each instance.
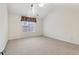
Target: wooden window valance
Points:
(29, 19)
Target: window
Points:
(29, 26)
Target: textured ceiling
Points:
(23, 8)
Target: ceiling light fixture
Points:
(41, 4)
(33, 9)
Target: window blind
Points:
(29, 19)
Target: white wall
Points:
(3, 26)
(15, 29)
(63, 23)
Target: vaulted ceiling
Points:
(22, 9)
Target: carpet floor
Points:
(40, 46)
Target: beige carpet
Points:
(40, 46)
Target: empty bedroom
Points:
(39, 28)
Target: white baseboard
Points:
(61, 40)
(27, 37)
